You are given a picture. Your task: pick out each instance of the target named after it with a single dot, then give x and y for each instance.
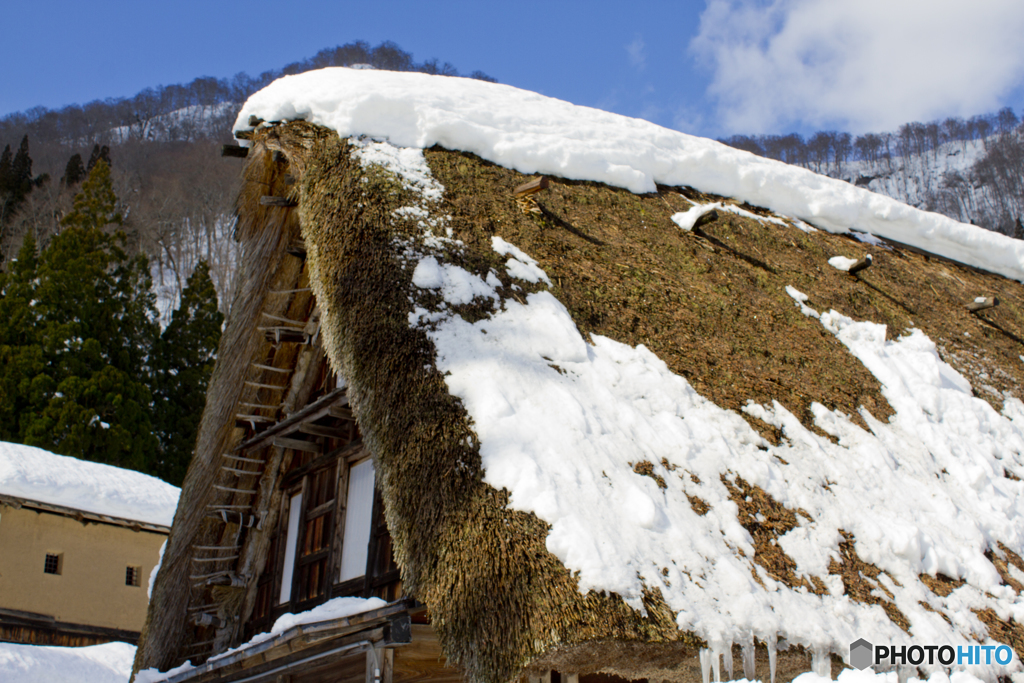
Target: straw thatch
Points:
(710, 304)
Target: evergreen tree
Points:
(23, 377)
(182, 364)
(96, 329)
(98, 154)
(74, 172)
(6, 186)
(16, 180)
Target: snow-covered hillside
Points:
(915, 179)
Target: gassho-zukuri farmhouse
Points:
(514, 389)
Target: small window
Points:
(131, 576)
(53, 563)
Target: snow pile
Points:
(841, 262)
(35, 474)
(687, 219)
(107, 663)
(338, 608)
(536, 134)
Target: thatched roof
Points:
(719, 313)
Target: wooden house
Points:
(335, 461)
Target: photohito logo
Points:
(863, 654)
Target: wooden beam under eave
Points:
(297, 444)
(320, 430)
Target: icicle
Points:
(748, 659)
(821, 662)
(728, 661)
(705, 664)
(716, 661)
(773, 641)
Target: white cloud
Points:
(637, 52)
(857, 64)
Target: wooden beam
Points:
(860, 265)
(320, 430)
(301, 324)
(297, 444)
(260, 385)
(531, 187)
(267, 200)
(243, 459)
(271, 368)
(236, 151)
(311, 412)
(982, 303)
(286, 335)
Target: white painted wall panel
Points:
(358, 518)
(294, 513)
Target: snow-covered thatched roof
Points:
(659, 417)
(35, 475)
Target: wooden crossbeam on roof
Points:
(297, 444)
(293, 422)
(531, 187)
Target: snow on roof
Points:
(38, 475)
(562, 420)
(535, 134)
(106, 663)
(336, 608)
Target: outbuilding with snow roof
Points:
(78, 542)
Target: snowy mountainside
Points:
(610, 445)
(188, 123)
(913, 180)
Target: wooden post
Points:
(860, 265)
(981, 303)
(531, 187)
(379, 663)
(705, 219)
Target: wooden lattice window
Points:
(132, 575)
(53, 563)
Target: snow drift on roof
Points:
(45, 477)
(535, 134)
(106, 663)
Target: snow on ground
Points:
(337, 608)
(536, 134)
(45, 477)
(562, 420)
(107, 663)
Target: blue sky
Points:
(710, 67)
